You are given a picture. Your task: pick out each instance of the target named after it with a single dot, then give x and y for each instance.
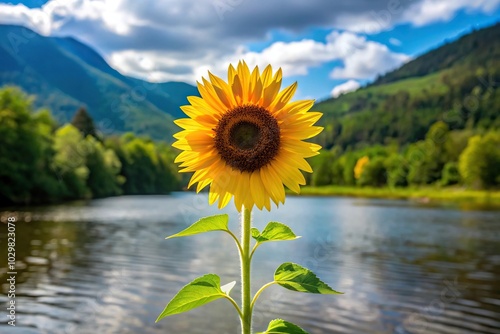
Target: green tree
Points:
(479, 163)
(84, 123)
(70, 161)
(148, 168)
(397, 171)
(374, 173)
(323, 173)
(104, 167)
(21, 151)
(47, 186)
(451, 174)
(427, 158)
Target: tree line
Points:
(41, 161)
(469, 158)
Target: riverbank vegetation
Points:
(459, 165)
(41, 161)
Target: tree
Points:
(84, 123)
(374, 173)
(322, 175)
(450, 174)
(397, 171)
(47, 186)
(70, 161)
(21, 151)
(359, 167)
(104, 167)
(479, 162)
(427, 158)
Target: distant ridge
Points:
(64, 74)
(457, 83)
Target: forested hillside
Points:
(435, 121)
(456, 83)
(65, 74)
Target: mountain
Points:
(64, 74)
(457, 83)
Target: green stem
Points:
(246, 300)
(259, 292)
(237, 241)
(253, 250)
(235, 306)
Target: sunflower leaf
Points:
(199, 292)
(294, 277)
(280, 326)
(274, 231)
(255, 232)
(207, 224)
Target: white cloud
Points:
(429, 11)
(180, 39)
(417, 13)
(346, 87)
(34, 18)
(364, 59)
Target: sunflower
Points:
(244, 138)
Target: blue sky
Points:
(328, 47)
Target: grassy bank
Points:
(465, 198)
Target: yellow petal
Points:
(271, 185)
(237, 89)
(223, 91)
(244, 74)
(231, 73)
(283, 98)
(203, 184)
(267, 76)
(224, 200)
(256, 89)
(302, 133)
(188, 123)
(257, 190)
(305, 149)
(297, 107)
(203, 106)
(270, 92)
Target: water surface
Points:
(104, 267)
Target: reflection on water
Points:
(104, 267)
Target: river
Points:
(103, 266)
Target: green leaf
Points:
(294, 277)
(199, 292)
(280, 326)
(207, 224)
(274, 232)
(255, 232)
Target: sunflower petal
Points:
(257, 190)
(231, 73)
(237, 89)
(197, 139)
(283, 98)
(267, 75)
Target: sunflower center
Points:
(247, 138)
(244, 135)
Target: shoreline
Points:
(455, 196)
(464, 198)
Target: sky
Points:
(329, 47)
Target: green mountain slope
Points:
(64, 74)
(456, 83)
